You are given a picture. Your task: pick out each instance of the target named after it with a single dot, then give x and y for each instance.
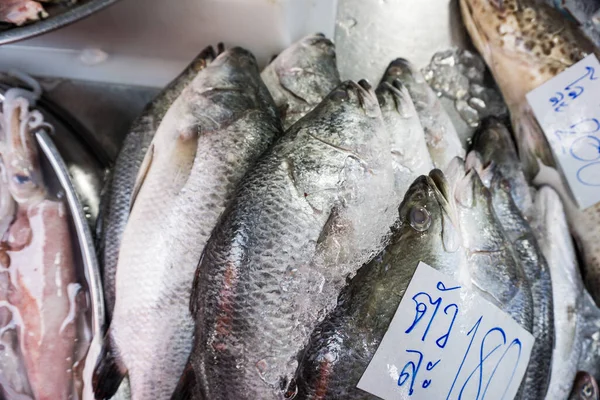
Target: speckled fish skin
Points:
(342, 346)
(494, 143)
(533, 262)
(551, 230)
(524, 43)
(257, 272)
(301, 76)
(40, 260)
(495, 271)
(118, 197)
(523, 48)
(210, 136)
(585, 387)
(410, 157)
(442, 139)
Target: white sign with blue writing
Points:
(567, 108)
(445, 342)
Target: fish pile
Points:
(20, 12)
(43, 302)
(260, 228)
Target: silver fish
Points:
(210, 136)
(495, 272)
(410, 156)
(533, 262)
(301, 76)
(525, 43)
(442, 139)
(550, 227)
(342, 346)
(117, 200)
(261, 284)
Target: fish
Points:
(494, 143)
(301, 76)
(520, 43)
(589, 314)
(551, 230)
(262, 284)
(529, 254)
(210, 136)
(44, 296)
(20, 12)
(117, 199)
(442, 139)
(410, 156)
(585, 387)
(495, 272)
(523, 48)
(343, 344)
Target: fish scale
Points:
(261, 283)
(211, 135)
(118, 196)
(523, 48)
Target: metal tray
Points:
(59, 16)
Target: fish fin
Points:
(144, 168)
(532, 145)
(187, 385)
(109, 371)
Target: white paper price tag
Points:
(446, 342)
(567, 108)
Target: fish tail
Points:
(187, 385)
(109, 371)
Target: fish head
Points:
(18, 149)
(524, 42)
(308, 69)
(495, 146)
(403, 70)
(426, 212)
(585, 387)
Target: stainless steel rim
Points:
(54, 22)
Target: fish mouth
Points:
(478, 35)
(400, 67)
(361, 93)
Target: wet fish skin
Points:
(210, 136)
(44, 292)
(494, 143)
(523, 48)
(257, 281)
(301, 76)
(551, 229)
(585, 387)
(410, 156)
(117, 199)
(442, 139)
(495, 271)
(344, 343)
(532, 260)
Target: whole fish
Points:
(525, 43)
(442, 139)
(343, 344)
(118, 197)
(44, 292)
(410, 157)
(301, 76)
(210, 136)
(533, 263)
(550, 227)
(494, 143)
(495, 271)
(262, 285)
(585, 387)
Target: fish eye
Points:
(420, 219)
(22, 179)
(587, 390)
